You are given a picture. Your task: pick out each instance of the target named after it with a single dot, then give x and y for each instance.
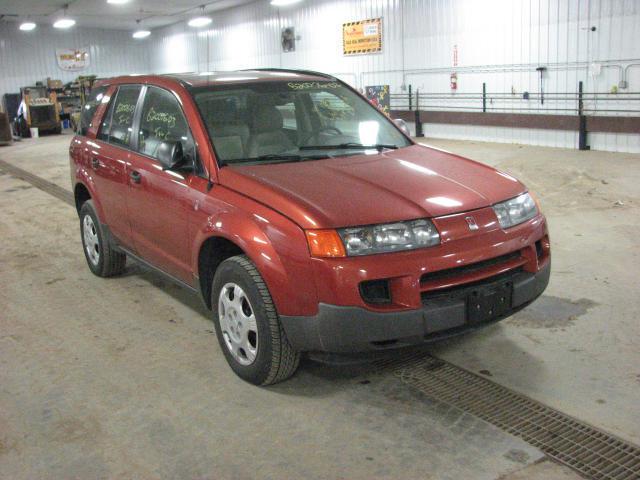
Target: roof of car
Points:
(245, 76)
(205, 79)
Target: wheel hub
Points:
(91, 241)
(238, 323)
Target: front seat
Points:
(228, 134)
(267, 136)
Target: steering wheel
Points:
(318, 132)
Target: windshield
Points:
(284, 121)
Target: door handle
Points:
(95, 163)
(135, 176)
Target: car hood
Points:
(404, 184)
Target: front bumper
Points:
(339, 329)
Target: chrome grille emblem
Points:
(472, 223)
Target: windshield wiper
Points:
(285, 157)
(350, 145)
(277, 158)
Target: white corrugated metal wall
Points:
(499, 42)
(29, 57)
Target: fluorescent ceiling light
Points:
(27, 26)
(282, 3)
(117, 2)
(64, 23)
(199, 22)
(141, 34)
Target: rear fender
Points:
(84, 178)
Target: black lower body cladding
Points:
(339, 329)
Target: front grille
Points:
(468, 269)
(462, 290)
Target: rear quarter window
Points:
(89, 109)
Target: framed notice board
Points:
(361, 37)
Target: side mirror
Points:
(402, 125)
(171, 156)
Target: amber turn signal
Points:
(325, 243)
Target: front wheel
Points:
(247, 324)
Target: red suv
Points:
(306, 219)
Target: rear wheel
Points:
(247, 324)
(103, 259)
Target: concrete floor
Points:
(123, 378)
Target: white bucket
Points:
(34, 133)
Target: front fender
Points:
(275, 244)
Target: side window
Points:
(162, 124)
(89, 109)
(118, 122)
(103, 132)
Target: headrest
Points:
(267, 118)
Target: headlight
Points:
(389, 237)
(515, 211)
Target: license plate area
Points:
(489, 301)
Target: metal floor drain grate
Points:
(591, 452)
(51, 188)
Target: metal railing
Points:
(566, 103)
(578, 104)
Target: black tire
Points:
(110, 261)
(275, 360)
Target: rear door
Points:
(160, 201)
(79, 148)
(109, 158)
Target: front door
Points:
(160, 200)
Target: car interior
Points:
(243, 124)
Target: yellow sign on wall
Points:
(364, 36)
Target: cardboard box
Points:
(54, 83)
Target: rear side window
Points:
(162, 122)
(89, 109)
(117, 125)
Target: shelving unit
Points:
(67, 98)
